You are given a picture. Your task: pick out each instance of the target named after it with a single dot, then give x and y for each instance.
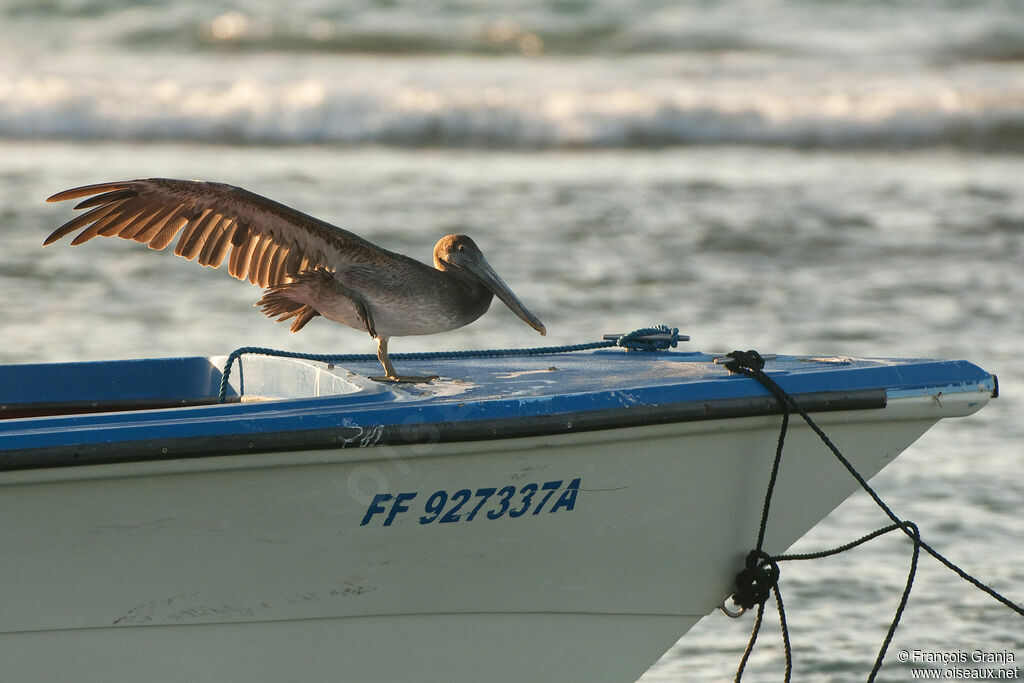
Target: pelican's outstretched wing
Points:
(268, 241)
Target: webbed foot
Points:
(389, 369)
(405, 379)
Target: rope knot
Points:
(634, 340)
(744, 359)
(754, 583)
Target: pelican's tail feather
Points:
(287, 300)
(317, 292)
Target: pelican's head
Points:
(459, 254)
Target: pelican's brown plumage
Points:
(307, 267)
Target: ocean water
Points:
(795, 176)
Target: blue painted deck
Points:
(79, 413)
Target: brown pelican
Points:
(306, 266)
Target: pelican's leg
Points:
(389, 369)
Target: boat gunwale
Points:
(434, 432)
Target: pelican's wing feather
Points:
(268, 242)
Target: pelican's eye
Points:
(462, 247)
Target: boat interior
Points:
(47, 389)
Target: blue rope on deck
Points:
(656, 338)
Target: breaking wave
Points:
(316, 111)
(554, 74)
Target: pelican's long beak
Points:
(478, 265)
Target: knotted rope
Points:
(759, 577)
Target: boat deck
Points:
(70, 413)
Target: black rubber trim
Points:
(12, 411)
(439, 432)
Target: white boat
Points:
(549, 517)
